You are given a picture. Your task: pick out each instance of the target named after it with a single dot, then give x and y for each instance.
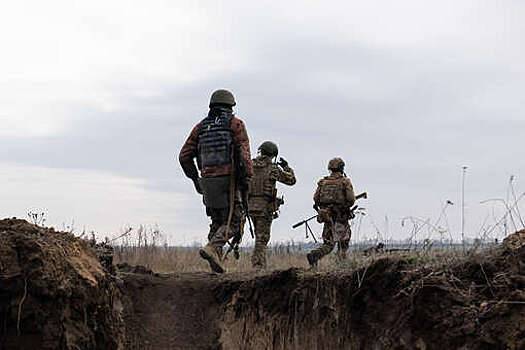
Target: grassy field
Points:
(147, 247)
(186, 259)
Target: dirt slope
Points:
(54, 294)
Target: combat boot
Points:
(312, 259)
(210, 254)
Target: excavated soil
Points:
(54, 293)
(394, 303)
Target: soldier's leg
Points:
(342, 248)
(212, 252)
(218, 218)
(219, 231)
(345, 241)
(328, 245)
(262, 237)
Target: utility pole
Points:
(463, 208)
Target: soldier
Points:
(332, 200)
(221, 147)
(263, 201)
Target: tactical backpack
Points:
(332, 192)
(215, 147)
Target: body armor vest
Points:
(332, 191)
(215, 141)
(262, 184)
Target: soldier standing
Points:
(263, 201)
(221, 146)
(332, 200)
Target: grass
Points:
(165, 259)
(147, 247)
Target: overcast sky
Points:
(97, 97)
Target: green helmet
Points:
(336, 164)
(222, 97)
(269, 148)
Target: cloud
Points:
(406, 93)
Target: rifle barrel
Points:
(298, 224)
(303, 222)
(362, 195)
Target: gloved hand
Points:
(197, 185)
(283, 163)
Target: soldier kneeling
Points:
(333, 200)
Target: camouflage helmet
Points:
(269, 148)
(336, 164)
(222, 97)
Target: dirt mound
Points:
(54, 293)
(391, 304)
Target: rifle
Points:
(308, 230)
(239, 178)
(246, 210)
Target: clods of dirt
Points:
(54, 293)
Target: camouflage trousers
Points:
(219, 235)
(263, 227)
(331, 239)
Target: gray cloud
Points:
(405, 119)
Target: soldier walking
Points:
(263, 200)
(333, 200)
(221, 147)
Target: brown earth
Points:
(393, 303)
(54, 294)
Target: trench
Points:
(294, 309)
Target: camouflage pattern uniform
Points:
(263, 201)
(333, 199)
(221, 146)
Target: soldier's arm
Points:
(242, 143)
(287, 176)
(317, 196)
(188, 153)
(349, 191)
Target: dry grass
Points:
(178, 259)
(144, 247)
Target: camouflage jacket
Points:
(189, 153)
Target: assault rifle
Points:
(307, 227)
(240, 176)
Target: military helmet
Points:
(269, 148)
(336, 164)
(222, 97)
